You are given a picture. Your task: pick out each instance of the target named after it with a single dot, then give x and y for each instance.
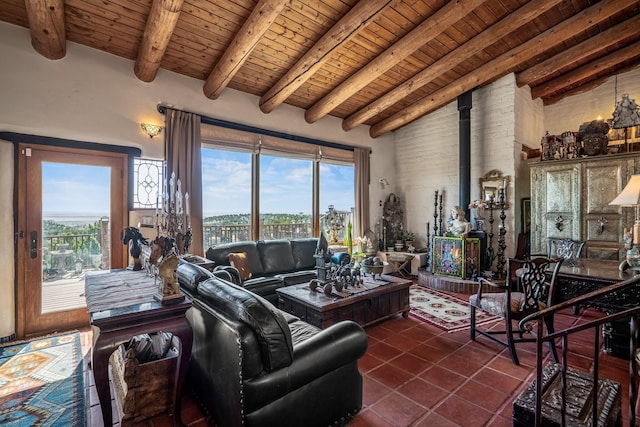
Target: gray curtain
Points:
(362, 178)
(182, 154)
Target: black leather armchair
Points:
(253, 364)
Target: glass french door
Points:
(72, 209)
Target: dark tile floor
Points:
(417, 375)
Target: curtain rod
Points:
(238, 126)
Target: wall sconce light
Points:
(150, 129)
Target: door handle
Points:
(34, 244)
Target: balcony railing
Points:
(59, 248)
(217, 234)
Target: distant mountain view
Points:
(269, 218)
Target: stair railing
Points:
(616, 290)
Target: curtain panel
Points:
(362, 178)
(183, 157)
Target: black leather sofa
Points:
(255, 365)
(273, 263)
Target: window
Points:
(147, 176)
(337, 198)
(286, 194)
(285, 199)
(226, 196)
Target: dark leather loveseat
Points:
(253, 364)
(272, 263)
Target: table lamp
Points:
(630, 196)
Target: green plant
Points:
(408, 236)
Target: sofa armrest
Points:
(328, 350)
(231, 271)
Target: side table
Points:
(417, 260)
(121, 305)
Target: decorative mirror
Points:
(490, 186)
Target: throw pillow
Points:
(241, 263)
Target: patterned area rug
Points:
(444, 311)
(42, 383)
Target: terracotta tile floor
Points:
(417, 375)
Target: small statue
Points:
(167, 272)
(457, 225)
(132, 237)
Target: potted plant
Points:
(408, 238)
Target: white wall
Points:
(7, 275)
(95, 97)
(571, 112)
(427, 155)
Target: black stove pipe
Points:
(464, 108)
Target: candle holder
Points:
(502, 231)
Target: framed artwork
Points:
(525, 213)
(448, 256)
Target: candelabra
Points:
(489, 254)
(500, 263)
(173, 214)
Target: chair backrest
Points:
(564, 248)
(536, 279)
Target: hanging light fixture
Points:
(151, 129)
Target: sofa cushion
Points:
(303, 251)
(269, 325)
(220, 255)
(276, 256)
(191, 275)
(241, 263)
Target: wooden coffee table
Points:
(366, 307)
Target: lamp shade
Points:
(630, 195)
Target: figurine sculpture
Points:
(163, 258)
(457, 225)
(132, 237)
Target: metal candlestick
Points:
(435, 214)
(502, 230)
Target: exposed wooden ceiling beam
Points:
(586, 71)
(495, 68)
(510, 23)
(46, 23)
(595, 44)
(245, 40)
(161, 22)
(447, 15)
(356, 19)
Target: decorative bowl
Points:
(373, 269)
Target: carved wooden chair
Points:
(525, 291)
(564, 248)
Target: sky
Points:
(75, 189)
(226, 181)
(285, 185)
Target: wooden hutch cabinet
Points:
(570, 199)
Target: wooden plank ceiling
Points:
(382, 63)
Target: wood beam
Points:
(500, 65)
(47, 26)
(595, 44)
(586, 71)
(447, 15)
(261, 18)
(161, 22)
(510, 23)
(356, 19)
